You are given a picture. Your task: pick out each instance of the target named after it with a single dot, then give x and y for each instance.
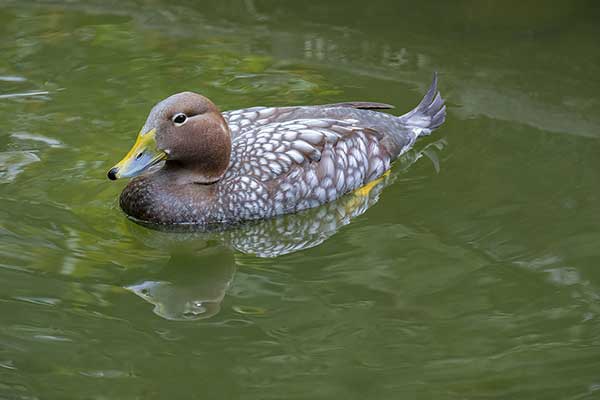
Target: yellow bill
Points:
(142, 156)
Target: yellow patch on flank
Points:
(366, 189)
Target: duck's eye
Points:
(179, 118)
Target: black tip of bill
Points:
(112, 174)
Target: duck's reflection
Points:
(201, 265)
(192, 284)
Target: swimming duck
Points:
(224, 168)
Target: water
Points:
(470, 272)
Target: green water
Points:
(474, 274)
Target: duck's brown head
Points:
(189, 132)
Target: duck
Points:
(194, 165)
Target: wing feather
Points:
(269, 151)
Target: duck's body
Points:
(280, 160)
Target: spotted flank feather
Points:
(302, 163)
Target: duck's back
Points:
(292, 158)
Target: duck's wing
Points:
(246, 119)
(333, 148)
(241, 121)
(299, 164)
(360, 105)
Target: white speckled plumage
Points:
(300, 173)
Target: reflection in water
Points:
(191, 286)
(194, 282)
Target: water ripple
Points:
(7, 78)
(38, 138)
(12, 163)
(25, 94)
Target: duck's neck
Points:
(183, 174)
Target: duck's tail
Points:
(429, 114)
